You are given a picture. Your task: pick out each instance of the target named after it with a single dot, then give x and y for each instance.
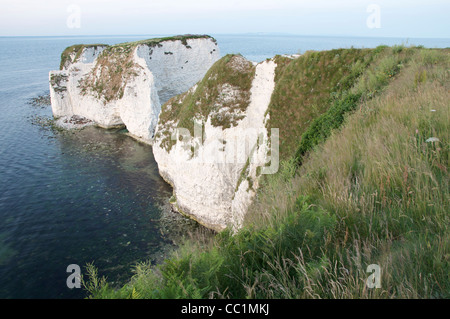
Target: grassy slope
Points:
(304, 87)
(371, 192)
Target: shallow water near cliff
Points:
(73, 198)
(92, 195)
(70, 197)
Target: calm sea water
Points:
(94, 196)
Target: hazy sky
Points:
(402, 18)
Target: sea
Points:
(93, 197)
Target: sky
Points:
(377, 18)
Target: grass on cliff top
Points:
(78, 50)
(368, 80)
(385, 178)
(306, 86)
(223, 94)
(376, 191)
(157, 41)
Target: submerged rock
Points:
(73, 122)
(41, 101)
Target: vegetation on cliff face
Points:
(114, 68)
(365, 181)
(223, 95)
(58, 82)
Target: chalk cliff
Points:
(126, 84)
(215, 161)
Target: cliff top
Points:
(76, 50)
(157, 41)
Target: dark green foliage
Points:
(321, 127)
(157, 41)
(342, 102)
(58, 82)
(305, 86)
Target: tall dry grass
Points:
(388, 184)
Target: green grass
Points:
(304, 88)
(372, 189)
(386, 185)
(113, 69)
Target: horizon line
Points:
(218, 34)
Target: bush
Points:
(322, 127)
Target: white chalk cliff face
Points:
(127, 84)
(215, 172)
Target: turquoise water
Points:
(94, 196)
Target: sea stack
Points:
(126, 84)
(221, 145)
